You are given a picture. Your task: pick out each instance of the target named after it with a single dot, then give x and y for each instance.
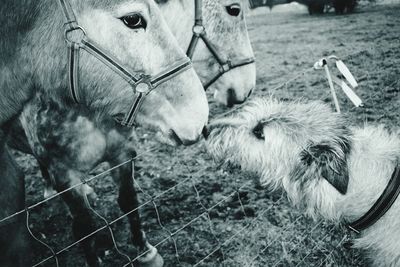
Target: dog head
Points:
(296, 145)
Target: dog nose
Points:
(205, 132)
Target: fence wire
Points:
(205, 212)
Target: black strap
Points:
(129, 119)
(171, 72)
(381, 206)
(150, 83)
(73, 71)
(70, 19)
(94, 49)
(228, 67)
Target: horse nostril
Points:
(251, 91)
(232, 99)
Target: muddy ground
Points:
(208, 206)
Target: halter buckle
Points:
(144, 85)
(71, 37)
(226, 67)
(198, 29)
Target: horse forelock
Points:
(227, 32)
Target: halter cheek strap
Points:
(73, 71)
(141, 84)
(199, 32)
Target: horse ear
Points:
(327, 160)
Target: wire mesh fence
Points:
(217, 243)
(198, 214)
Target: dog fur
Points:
(327, 167)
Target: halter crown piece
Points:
(142, 85)
(199, 32)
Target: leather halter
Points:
(141, 84)
(199, 32)
(381, 206)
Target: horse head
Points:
(125, 63)
(223, 55)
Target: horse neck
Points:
(19, 37)
(49, 106)
(17, 19)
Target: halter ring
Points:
(198, 29)
(76, 39)
(143, 87)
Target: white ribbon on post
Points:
(349, 92)
(346, 73)
(344, 70)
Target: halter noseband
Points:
(199, 32)
(141, 84)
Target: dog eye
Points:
(134, 21)
(258, 131)
(233, 10)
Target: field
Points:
(215, 215)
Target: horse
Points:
(68, 148)
(34, 55)
(67, 52)
(12, 184)
(224, 48)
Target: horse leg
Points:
(12, 199)
(48, 185)
(77, 202)
(128, 202)
(18, 140)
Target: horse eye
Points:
(258, 131)
(233, 10)
(134, 21)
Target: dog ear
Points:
(327, 160)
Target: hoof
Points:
(157, 261)
(87, 190)
(152, 258)
(99, 262)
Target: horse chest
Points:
(91, 146)
(87, 146)
(76, 142)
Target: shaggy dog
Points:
(325, 166)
